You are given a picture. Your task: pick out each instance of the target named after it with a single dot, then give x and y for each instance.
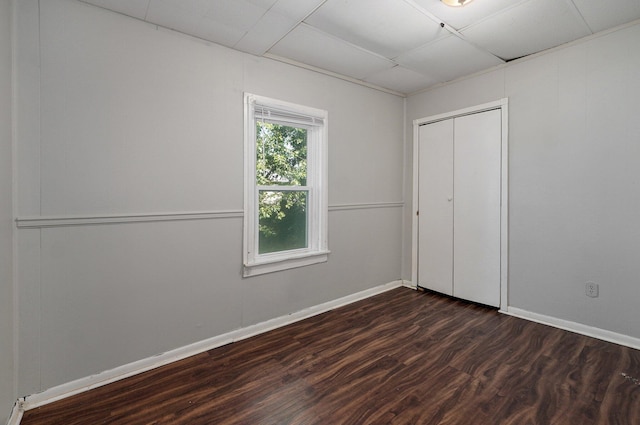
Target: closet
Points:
(459, 208)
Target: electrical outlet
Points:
(591, 289)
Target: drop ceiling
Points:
(400, 45)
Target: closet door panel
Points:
(477, 186)
(435, 206)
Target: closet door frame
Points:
(502, 105)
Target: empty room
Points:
(319, 212)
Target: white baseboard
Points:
(121, 372)
(575, 327)
(409, 284)
(94, 381)
(579, 328)
(16, 413)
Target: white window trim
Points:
(315, 120)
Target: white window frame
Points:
(316, 122)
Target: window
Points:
(285, 208)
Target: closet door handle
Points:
(450, 198)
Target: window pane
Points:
(281, 155)
(282, 220)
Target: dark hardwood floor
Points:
(403, 357)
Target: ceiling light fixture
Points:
(456, 3)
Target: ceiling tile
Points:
(170, 16)
(461, 17)
(267, 31)
(530, 27)
(263, 4)
(281, 18)
(221, 21)
(401, 79)
(386, 27)
(397, 44)
(135, 8)
(601, 15)
(296, 9)
(313, 47)
(242, 14)
(447, 59)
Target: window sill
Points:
(271, 265)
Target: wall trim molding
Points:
(84, 220)
(332, 74)
(38, 222)
(575, 327)
(364, 206)
(121, 372)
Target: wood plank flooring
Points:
(402, 357)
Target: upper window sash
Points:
(270, 113)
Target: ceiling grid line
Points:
(576, 11)
(448, 27)
(296, 25)
(146, 10)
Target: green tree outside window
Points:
(281, 176)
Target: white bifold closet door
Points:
(435, 217)
(459, 207)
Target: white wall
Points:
(574, 144)
(7, 396)
(133, 119)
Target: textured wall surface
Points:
(7, 396)
(133, 120)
